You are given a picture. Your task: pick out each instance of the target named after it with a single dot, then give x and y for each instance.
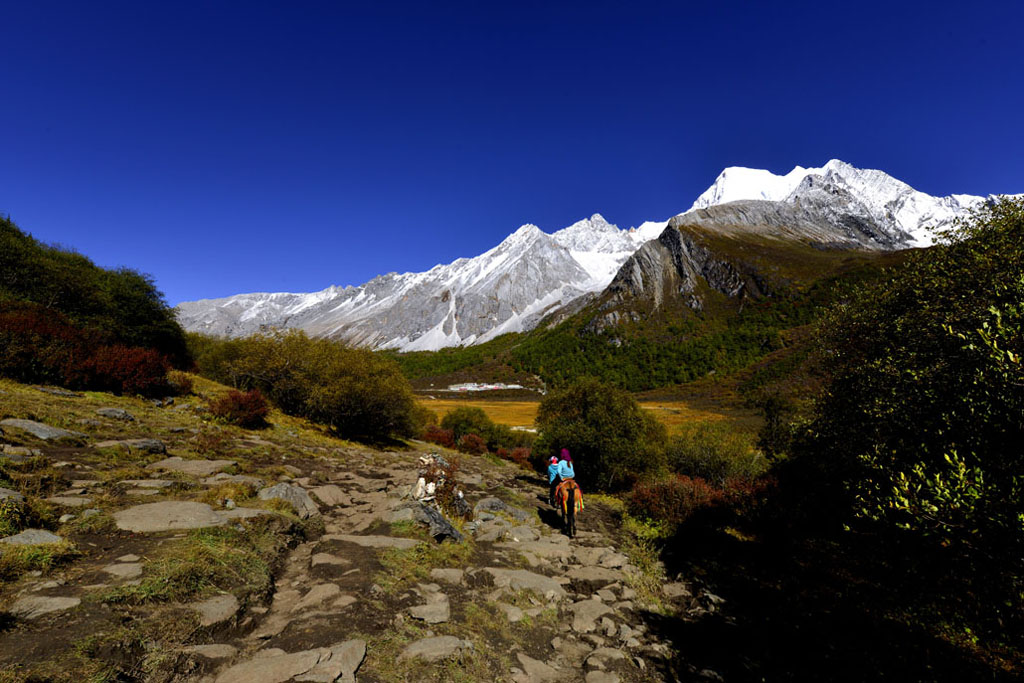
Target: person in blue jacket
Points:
(553, 479)
(565, 469)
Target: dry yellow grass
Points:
(523, 413)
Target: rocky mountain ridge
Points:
(533, 276)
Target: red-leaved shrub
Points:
(246, 409)
(520, 456)
(41, 345)
(472, 444)
(440, 436)
(128, 370)
(679, 498)
(673, 500)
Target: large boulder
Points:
(32, 537)
(40, 430)
(296, 495)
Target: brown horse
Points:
(570, 499)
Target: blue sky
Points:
(232, 147)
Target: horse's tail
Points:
(572, 502)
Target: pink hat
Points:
(554, 459)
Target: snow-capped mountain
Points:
(912, 218)
(506, 289)
(511, 287)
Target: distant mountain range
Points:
(532, 275)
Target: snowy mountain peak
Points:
(910, 217)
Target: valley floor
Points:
(254, 593)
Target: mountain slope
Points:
(506, 289)
(533, 275)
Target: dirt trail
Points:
(359, 593)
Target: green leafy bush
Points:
(612, 440)
(714, 451)
(922, 425)
(358, 393)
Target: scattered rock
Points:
(129, 558)
(454, 576)
(40, 430)
(147, 483)
(317, 597)
(116, 414)
(676, 589)
(296, 495)
(54, 391)
(592, 577)
(498, 505)
(602, 655)
(374, 541)
(433, 649)
(319, 559)
(598, 676)
(177, 514)
(196, 468)
(32, 537)
(512, 613)
(225, 478)
(544, 548)
(34, 606)
(436, 612)
(331, 495)
(217, 610)
(69, 501)
(339, 664)
(536, 670)
(271, 669)
(214, 651)
(586, 613)
(135, 445)
(520, 579)
(10, 494)
(124, 570)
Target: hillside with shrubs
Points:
(66, 321)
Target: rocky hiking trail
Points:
(355, 587)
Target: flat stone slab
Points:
(498, 505)
(70, 501)
(147, 483)
(545, 549)
(331, 495)
(32, 537)
(116, 414)
(454, 576)
(35, 606)
(224, 478)
(374, 541)
(135, 445)
(40, 430)
(437, 611)
(213, 651)
(538, 671)
(433, 649)
(318, 596)
(338, 664)
(170, 515)
(594, 575)
(328, 559)
(196, 468)
(10, 494)
(124, 570)
(273, 669)
(520, 579)
(586, 613)
(216, 610)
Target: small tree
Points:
(612, 439)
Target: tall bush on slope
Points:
(921, 428)
(358, 393)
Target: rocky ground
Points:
(145, 542)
